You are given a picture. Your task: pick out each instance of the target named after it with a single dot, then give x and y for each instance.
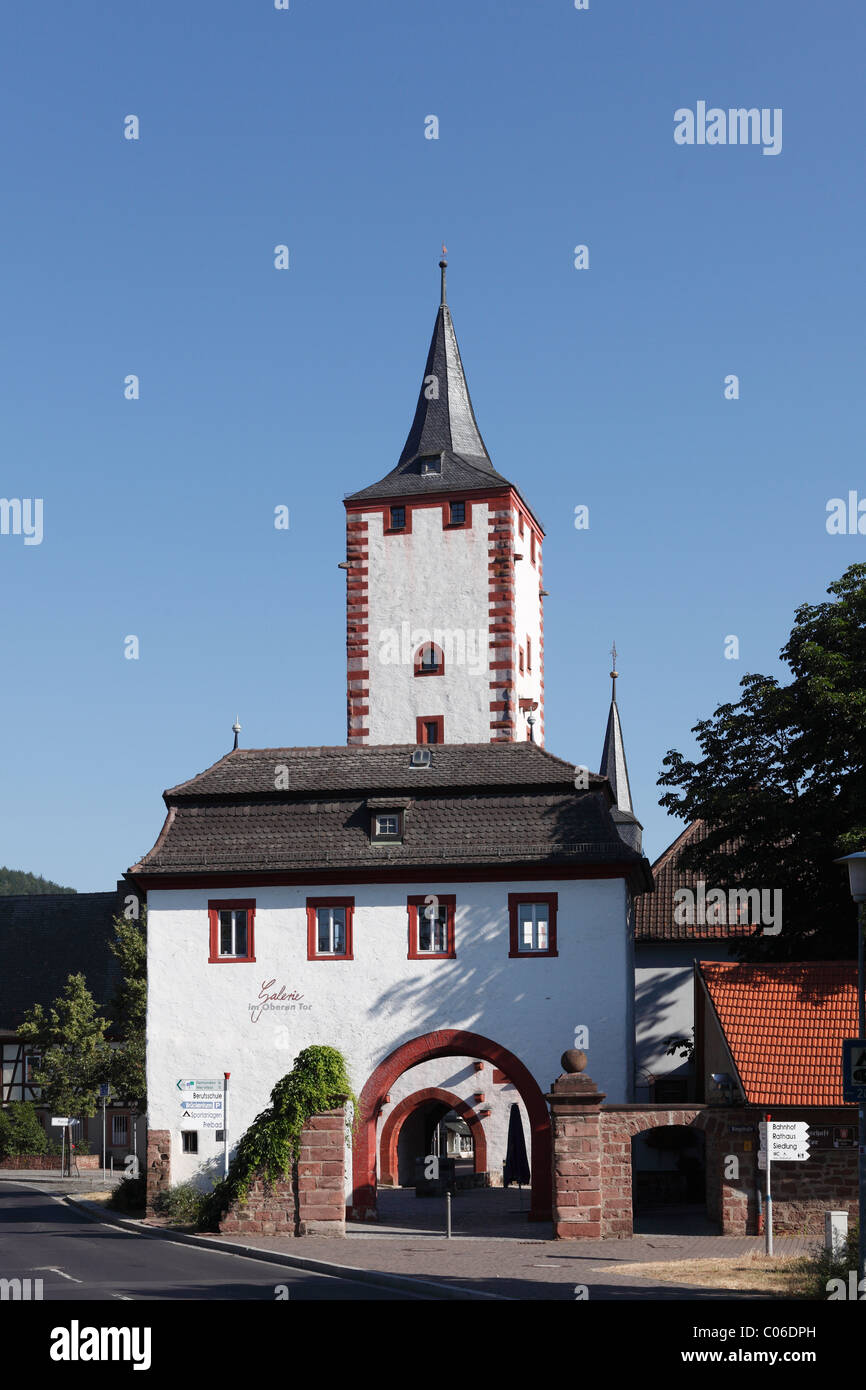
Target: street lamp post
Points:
(857, 883)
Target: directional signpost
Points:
(201, 1104)
(785, 1140)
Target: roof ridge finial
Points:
(443, 265)
(614, 673)
(236, 728)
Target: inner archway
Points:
(449, 1043)
(393, 1127)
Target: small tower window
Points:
(520, 659)
(397, 518)
(429, 660)
(532, 546)
(456, 513)
(430, 730)
(528, 652)
(432, 464)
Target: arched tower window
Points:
(429, 660)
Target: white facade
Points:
(434, 582)
(205, 1019)
(665, 1005)
(430, 585)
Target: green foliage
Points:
(811, 1273)
(14, 881)
(70, 1040)
(318, 1081)
(128, 1008)
(680, 1047)
(130, 1195)
(20, 1130)
(781, 782)
(183, 1205)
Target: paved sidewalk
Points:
(529, 1265)
(532, 1269)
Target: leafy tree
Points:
(781, 783)
(20, 1130)
(70, 1040)
(129, 1012)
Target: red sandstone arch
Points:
(449, 1042)
(390, 1135)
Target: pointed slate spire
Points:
(444, 449)
(613, 764)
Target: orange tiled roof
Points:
(784, 1025)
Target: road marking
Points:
(54, 1270)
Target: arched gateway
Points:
(448, 1042)
(388, 1161)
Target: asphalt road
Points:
(81, 1260)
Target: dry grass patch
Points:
(774, 1276)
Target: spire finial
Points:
(236, 728)
(443, 265)
(614, 673)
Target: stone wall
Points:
(312, 1202)
(592, 1165)
(158, 1164)
(45, 1162)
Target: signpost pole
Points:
(768, 1196)
(861, 1113)
(104, 1104)
(226, 1076)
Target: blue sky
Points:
(601, 387)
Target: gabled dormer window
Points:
(387, 819)
(432, 464)
(388, 826)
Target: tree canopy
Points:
(18, 881)
(781, 783)
(74, 1055)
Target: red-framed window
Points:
(429, 660)
(329, 928)
(528, 652)
(457, 514)
(232, 930)
(430, 728)
(520, 524)
(532, 547)
(397, 520)
(431, 926)
(532, 921)
(520, 660)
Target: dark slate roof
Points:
(444, 428)
(478, 804)
(45, 938)
(654, 914)
(613, 763)
(369, 768)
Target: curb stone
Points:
(402, 1283)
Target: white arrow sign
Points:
(788, 1141)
